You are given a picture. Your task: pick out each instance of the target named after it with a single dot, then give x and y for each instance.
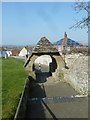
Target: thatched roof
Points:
(44, 46)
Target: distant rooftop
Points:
(44, 46)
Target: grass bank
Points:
(0, 88)
(13, 80)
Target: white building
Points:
(5, 53)
(23, 52)
(9, 53)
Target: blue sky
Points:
(24, 23)
(0, 23)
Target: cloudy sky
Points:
(24, 23)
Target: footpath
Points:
(55, 99)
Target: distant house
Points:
(23, 52)
(0, 54)
(9, 53)
(15, 51)
(67, 45)
(5, 53)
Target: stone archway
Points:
(44, 47)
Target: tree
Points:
(84, 22)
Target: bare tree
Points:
(84, 22)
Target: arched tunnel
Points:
(43, 67)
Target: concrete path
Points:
(53, 100)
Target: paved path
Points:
(53, 100)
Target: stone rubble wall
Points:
(77, 74)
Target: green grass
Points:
(0, 88)
(13, 80)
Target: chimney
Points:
(65, 36)
(64, 40)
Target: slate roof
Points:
(44, 46)
(69, 42)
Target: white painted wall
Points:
(23, 52)
(9, 53)
(5, 54)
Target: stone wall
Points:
(59, 74)
(77, 74)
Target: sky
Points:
(0, 23)
(24, 23)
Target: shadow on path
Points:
(37, 109)
(49, 110)
(40, 106)
(42, 76)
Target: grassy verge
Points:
(13, 80)
(0, 88)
